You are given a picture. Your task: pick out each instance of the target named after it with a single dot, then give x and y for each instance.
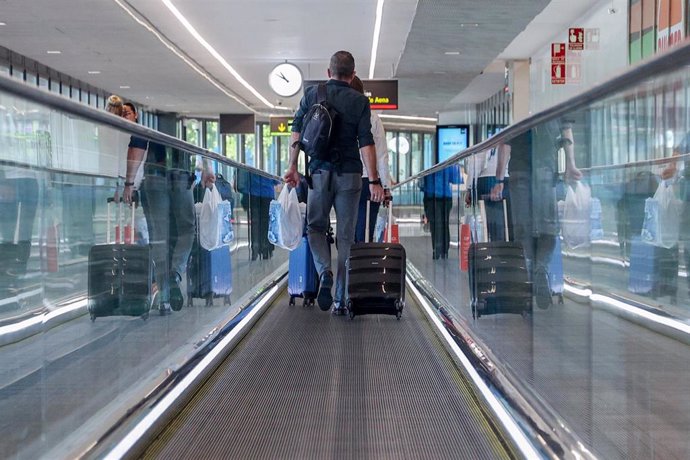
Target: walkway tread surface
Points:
(306, 384)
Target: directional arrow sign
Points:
(280, 126)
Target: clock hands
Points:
(283, 77)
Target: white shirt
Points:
(483, 164)
(381, 151)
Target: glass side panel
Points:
(587, 302)
(85, 280)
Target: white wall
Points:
(597, 65)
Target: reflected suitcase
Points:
(376, 276)
(498, 275)
(303, 280)
(653, 269)
(209, 273)
(120, 277)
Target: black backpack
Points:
(317, 129)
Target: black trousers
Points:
(437, 210)
(258, 223)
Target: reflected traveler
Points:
(257, 192)
(532, 158)
(481, 180)
(166, 197)
(438, 201)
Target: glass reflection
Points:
(65, 188)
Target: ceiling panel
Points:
(255, 35)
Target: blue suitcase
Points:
(303, 280)
(556, 271)
(653, 269)
(209, 275)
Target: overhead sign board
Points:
(382, 94)
(280, 126)
(237, 123)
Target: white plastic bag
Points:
(211, 220)
(285, 223)
(576, 215)
(380, 227)
(661, 225)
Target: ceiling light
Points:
(124, 87)
(469, 24)
(452, 53)
(94, 72)
(53, 52)
(176, 51)
(375, 41)
(405, 117)
(183, 20)
(2, 24)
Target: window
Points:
(192, 132)
(416, 154)
(249, 144)
(212, 136)
(232, 146)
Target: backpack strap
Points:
(321, 93)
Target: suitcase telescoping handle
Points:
(389, 224)
(482, 213)
(15, 240)
(132, 208)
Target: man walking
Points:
(168, 203)
(336, 182)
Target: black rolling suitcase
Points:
(499, 280)
(120, 275)
(376, 276)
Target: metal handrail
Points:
(59, 102)
(674, 59)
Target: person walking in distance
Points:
(384, 173)
(336, 181)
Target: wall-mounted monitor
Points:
(450, 139)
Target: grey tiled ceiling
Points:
(429, 78)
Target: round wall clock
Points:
(285, 79)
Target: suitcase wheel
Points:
(399, 305)
(92, 315)
(560, 299)
(308, 302)
(209, 300)
(350, 310)
(226, 300)
(292, 301)
(145, 316)
(189, 301)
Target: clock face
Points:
(285, 79)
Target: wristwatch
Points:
(375, 182)
(129, 184)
